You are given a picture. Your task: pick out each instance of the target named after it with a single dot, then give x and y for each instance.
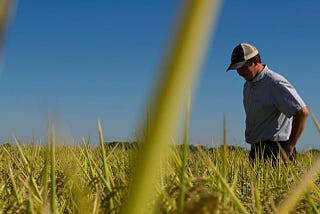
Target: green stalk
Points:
(93, 165)
(44, 180)
(183, 172)
(107, 174)
(257, 199)
(95, 208)
(179, 74)
(45, 170)
(30, 208)
(224, 153)
(14, 185)
(23, 157)
(313, 206)
(27, 166)
(224, 156)
(53, 198)
(86, 155)
(105, 169)
(100, 174)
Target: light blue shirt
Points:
(269, 102)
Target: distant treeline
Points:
(192, 148)
(129, 145)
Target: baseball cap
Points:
(240, 54)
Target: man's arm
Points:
(298, 124)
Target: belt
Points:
(268, 143)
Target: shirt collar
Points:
(260, 75)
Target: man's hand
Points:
(298, 124)
(288, 148)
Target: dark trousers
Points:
(268, 150)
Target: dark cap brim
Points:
(235, 66)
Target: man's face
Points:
(248, 72)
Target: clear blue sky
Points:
(84, 60)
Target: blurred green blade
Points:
(180, 71)
(315, 121)
(5, 13)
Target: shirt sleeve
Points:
(286, 98)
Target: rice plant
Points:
(191, 180)
(154, 174)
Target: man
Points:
(275, 113)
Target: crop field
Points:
(194, 179)
(153, 174)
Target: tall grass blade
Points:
(14, 185)
(95, 204)
(30, 208)
(27, 166)
(53, 195)
(107, 174)
(257, 199)
(45, 170)
(224, 155)
(86, 150)
(23, 157)
(315, 121)
(183, 172)
(106, 171)
(6, 10)
(5, 13)
(45, 177)
(180, 73)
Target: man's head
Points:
(246, 60)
